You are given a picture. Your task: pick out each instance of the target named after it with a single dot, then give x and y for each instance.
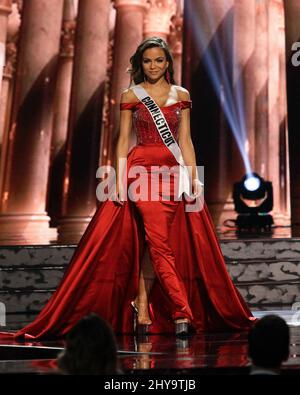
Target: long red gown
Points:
(103, 275)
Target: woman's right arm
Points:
(123, 145)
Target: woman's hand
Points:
(197, 187)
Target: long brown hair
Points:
(136, 70)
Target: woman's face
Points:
(154, 63)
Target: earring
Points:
(168, 76)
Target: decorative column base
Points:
(71, 228)
(26, 229)
(281, 219)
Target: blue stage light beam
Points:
(230, 95)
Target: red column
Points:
(128, 35)
(277, 160)
(261, 89)
(284, 216)
(61, 113)
(244, 59)
(23, 199)
(90, 62)
(292, 29)
(7, 84)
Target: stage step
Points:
(266, 272)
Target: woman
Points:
(128, 240)
(152, 68)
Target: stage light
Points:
(253, 200)
(252, 183)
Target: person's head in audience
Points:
(90, 348)
(269, 344)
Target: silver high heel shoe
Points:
(139, 329)
(181, 327)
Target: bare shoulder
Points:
(127, 96)
(183, 94)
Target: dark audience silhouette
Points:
(90, 348)
(269, 345)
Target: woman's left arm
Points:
(186, 144)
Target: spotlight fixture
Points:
(253, 200)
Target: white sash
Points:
(167, 137)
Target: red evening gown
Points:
(103, 275)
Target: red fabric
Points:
(143, 126)
(131, 106)
(102, 277)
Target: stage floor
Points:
(219, 353)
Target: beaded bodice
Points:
(143, 125)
